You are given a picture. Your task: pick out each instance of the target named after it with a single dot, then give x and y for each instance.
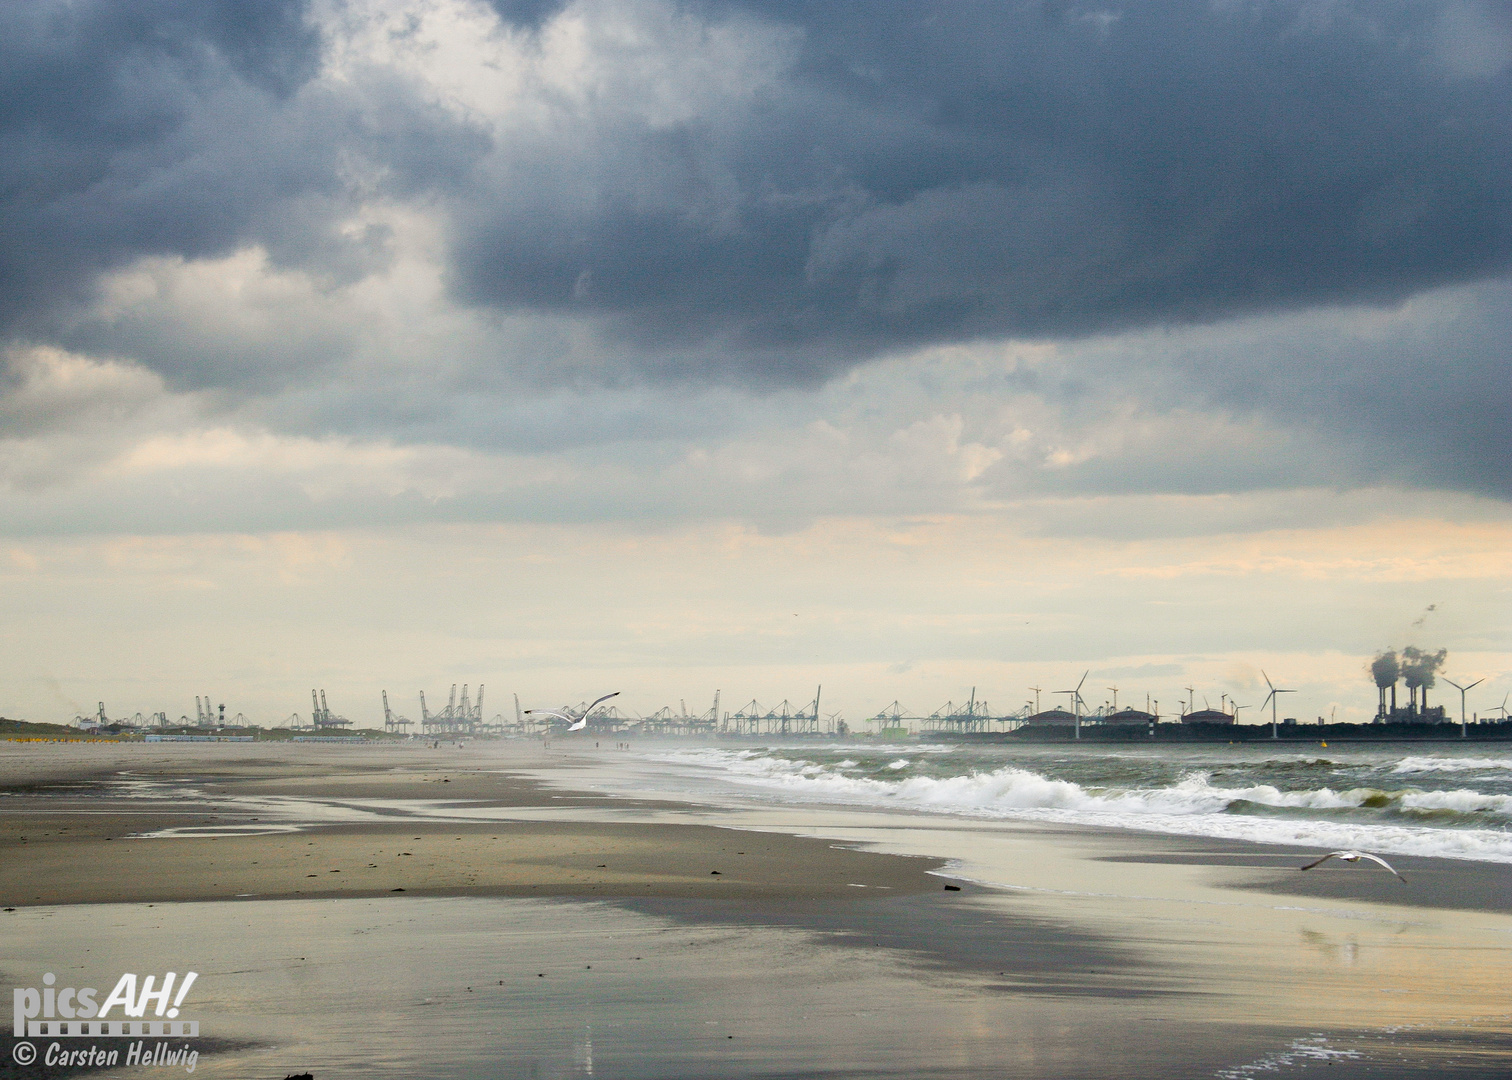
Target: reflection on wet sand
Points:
(457, 987)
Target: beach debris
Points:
(300, 1076)
(1354, 856)
(952, 888)
(714, 872)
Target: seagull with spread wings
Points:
(574, 723)
(1354, 856)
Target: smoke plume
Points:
(1385, 669)
(1418, 666)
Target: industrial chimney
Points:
(1385, 670)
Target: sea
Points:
(1436, 799)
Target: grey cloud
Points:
(527, 13)
(1420, 395)
(858, 181)
(106, 115)
(898, 175)
(892, 174)
(185, 130)
(928, 173)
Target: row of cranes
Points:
(788, 720)
(461, 716)
(612, 719)
(205, 716)
(752, 718)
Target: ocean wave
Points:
(1463, 801)
(1019, 789)
(1451, 765)
(1192, 805)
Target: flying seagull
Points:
(1354, 856)
(575, 723)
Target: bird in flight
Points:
(575, 723)
(1354, 856)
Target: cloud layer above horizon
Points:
(357, 261)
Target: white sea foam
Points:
(1451, 765)
(1298, 1053)
(1190, 806)
(1462, 800)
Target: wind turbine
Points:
(1270, 699)
(1462, 690)
(1076, 701)
(574, 723)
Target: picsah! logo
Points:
(50, 1011)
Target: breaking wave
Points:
(1459, 823)
(1451, 765)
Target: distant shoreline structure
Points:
(1495, 731)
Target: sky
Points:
(913, 349)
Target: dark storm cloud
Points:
(179, 128)
(921, 173)
(854, 179)
(104, 122)
(908, 173)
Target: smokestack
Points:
(1418, 670)
(1385, 670)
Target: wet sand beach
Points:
(65, 840)
(560, 928)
